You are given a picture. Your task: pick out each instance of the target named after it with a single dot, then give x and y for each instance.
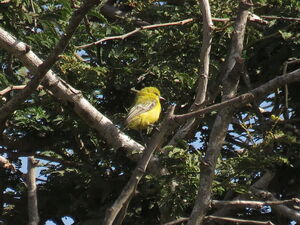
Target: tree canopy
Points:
(226, 149)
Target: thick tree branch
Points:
(65, 92)
(33, 214)
(139, 171)
(219, 129)
(19, 98)
(123, 36)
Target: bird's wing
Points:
(139, 109)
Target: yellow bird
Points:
(146, 109)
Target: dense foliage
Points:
(80, 174)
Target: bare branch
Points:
(33, 214)
(219, 129)
(228, 219)
(280, 18)
(279, 209)
(262, 183)
(140, 169)
(179, 220)
(239, 101)
(123, 36)
(239, 221)
(61, 90)
(18, 87)
(5, 1)
(14, 103)
(204, 70)
(253, 204)
(205, 53)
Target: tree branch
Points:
(17, 87)
(65, 92)
(123, 36)
(219, 129)
(241, 100)
(239, 221)
(280, 18)
(208, 28)
(179, 220)
(253, 204)
(279, 209)
(233, 220)
(140, 169)
(262, 183)
(43, 68)
(33, 214)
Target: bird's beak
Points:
(162, 98)
(134, 90)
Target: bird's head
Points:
(151, 90)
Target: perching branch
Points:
(63, 91)
(43, 68)
(123, 36)
(33, 214)
(140, 169)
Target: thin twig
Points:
(280, 18)
(17, 87)
(286, 90)
(123, 36)
(179, 220)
